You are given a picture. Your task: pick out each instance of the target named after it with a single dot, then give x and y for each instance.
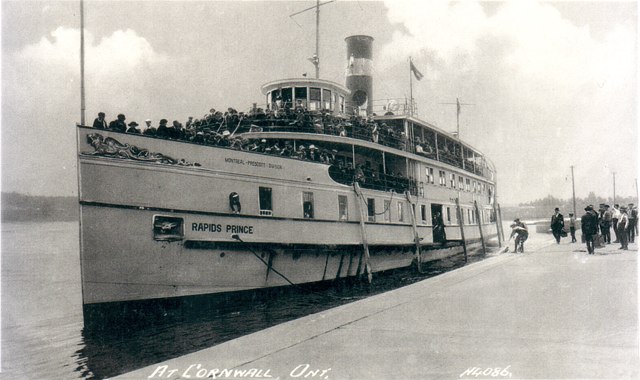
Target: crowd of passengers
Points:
(220, 128)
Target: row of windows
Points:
(312, 98)
(308, 208)
(465, 184)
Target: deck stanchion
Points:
(416, 237)
(495, 218)
(461, 224)
(484, 248)
(365, 245)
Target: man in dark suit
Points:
(557, 224)
(118, 125)
(589, 222)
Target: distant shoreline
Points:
(31, 208)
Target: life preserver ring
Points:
(393, 106)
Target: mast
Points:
(410, 88)
(316, 57)
(82, 103)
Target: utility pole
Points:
(573, 187)
(614, 188)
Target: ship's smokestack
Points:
(360, 71)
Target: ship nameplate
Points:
(219, 228)
(258, 164)
(110, 147)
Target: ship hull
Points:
(157, 226)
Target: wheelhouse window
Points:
(341, 104)
(266, 205)
(314, 99)
(452, 180)
(301, 96)
(468, 185)
(371, 209)
(460, 182)
(443, 178)
(343, 210)
(287, 97)
(307, 204)
(400, 212)
(326, 99)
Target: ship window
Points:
(387, 211)
(429, 173)
(453, 180)
(423, 213)
(400, 212)
(371, 209)
(468, 185)
(461, 183)
(341, 103)
(443, 178)
(343, 211)
(326, 99)
(307, 204)
(314, 99)
(287, 97)
(448, 215)
(266, 205)
(469, 218)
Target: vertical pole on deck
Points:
(495, 217)
(461, 224)
(484, 248)
(363, 229)
(500, 217)
(416, 237)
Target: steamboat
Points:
(321, 183)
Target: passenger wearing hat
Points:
(623, 227)
(572, 227)
(589, 228)
(100, 122)
(234, 203)
(132, 128)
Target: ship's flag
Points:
(415, 71)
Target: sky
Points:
(551, 84)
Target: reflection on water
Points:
(42, 328)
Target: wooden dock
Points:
(553, 312)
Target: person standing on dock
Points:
(623, 227)
(615, 215)
(589, 228)
(557, 224)
(572, 227)
(605, 225)
(632, 213)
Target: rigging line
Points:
(236, 237)
(361, 197)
